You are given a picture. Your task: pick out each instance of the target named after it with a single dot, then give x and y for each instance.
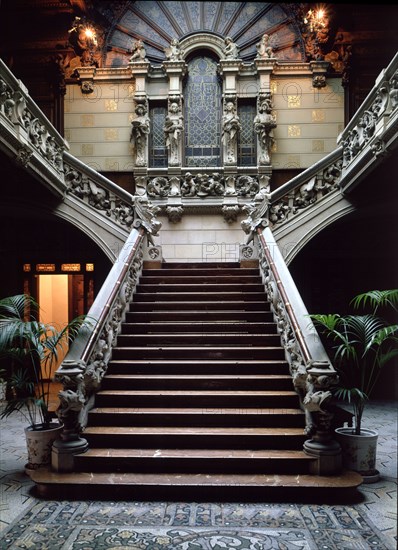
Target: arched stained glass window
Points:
(202, 113)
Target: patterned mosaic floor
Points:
(30, 523)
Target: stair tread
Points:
(196, 453)
(212, 393)
(231, 362)
(344, 480)
(187, 430)
(217, 411)
(199, 376)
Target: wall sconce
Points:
(316, 20)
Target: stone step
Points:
(200, 366)
(199, 279)
(199, 306)
(181, 437)
(188, 416)
(196, 382)
(199, 288)
(204, 398)
(182, 486)
(212, 461)
(195, 339)
(202, 352)
(165, 327)
(208, 316)
(219, 297)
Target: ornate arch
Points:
(157, 23)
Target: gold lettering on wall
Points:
(293, 130)
(111, 134)
(293, 161)
(131, 90)
(293, 101)
(87, 149)
(318, 115)
(87, 120)
(111, 105)
(318, 146)
(111, 164)
(274, 86)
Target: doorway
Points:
(60, 298)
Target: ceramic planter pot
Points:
(39, 444)
(359, 452)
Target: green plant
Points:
(362, 346)
(33, 348)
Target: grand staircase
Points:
(197, 401)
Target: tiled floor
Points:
(31, 523)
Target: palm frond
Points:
(376, 299)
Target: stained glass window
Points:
(202, 113)
(157, 141)
(247, 137)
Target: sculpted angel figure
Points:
(138, 51)
(174, 52)
(230, 49)
(264, 48)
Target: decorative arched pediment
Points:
(202, 40)
(157, 23)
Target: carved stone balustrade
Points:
(26, 134)
(373, 131)
(86, 363)
(312, 373)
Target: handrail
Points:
(285, 300)
(86, 363)
(306, 175)
(303, 329)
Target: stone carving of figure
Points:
(173, 130)
(264, 48)
(231, 127)
(139, 133)
(138, 52)
(188, 186)
(264, 123)
(230, 49)
(174, 52)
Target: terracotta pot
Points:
(39, 443)
(359, 452)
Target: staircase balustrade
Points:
(312, 373)
(27, 135)
(86, 363)
(98, 192)
(306, 189)
(372, 132)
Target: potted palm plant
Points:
(31, 349)
(362, 345)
